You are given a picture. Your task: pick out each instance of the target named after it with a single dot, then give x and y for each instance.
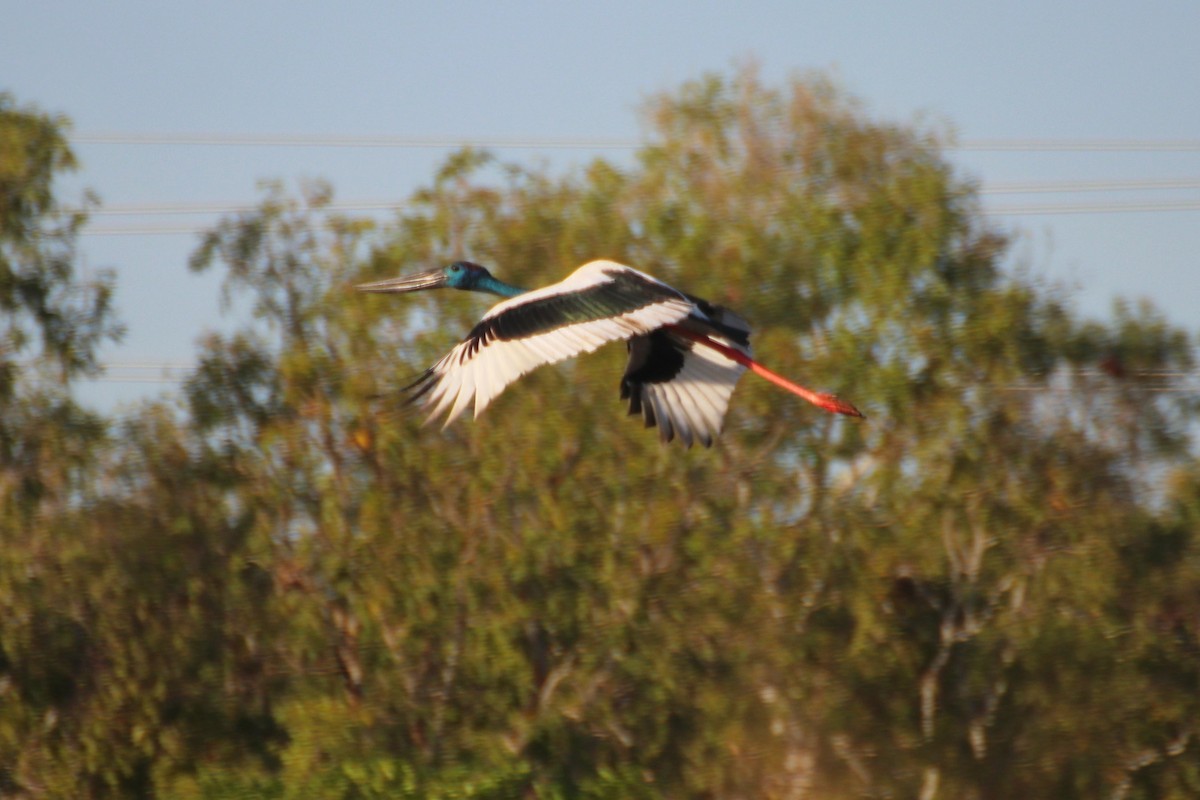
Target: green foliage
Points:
(38, 295)
(50, 324)
(289, 588)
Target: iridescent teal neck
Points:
(492, 286)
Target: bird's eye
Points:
(455, 268)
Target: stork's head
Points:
(459, 275)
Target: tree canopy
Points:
(285, 586)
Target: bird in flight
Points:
(685, 354)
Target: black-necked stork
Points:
(685, 354)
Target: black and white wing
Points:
(681, 386)
(600, 302)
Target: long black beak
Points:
(406, 283)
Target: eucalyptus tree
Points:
(988, 588)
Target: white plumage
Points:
(685, 355)
(461, 375)
(691, 404)
(479, 370)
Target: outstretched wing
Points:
(682, 387)
(600, 302)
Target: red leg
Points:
(828, 402)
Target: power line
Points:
(1065, 187)
(997, 211)
(1092, 208)
(156, 209)
(319, 140)
(1084, 372)
(1081, 145)
(1020, 187)
(340, 140)
(147, 365)
(177, 230)
(135, 379)
(216, 139)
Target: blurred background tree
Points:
(288, 588)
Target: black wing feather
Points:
(626, 292)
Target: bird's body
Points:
(685, 355)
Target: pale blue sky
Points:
(1033, 70)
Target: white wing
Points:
(684, 387)
(600, 302)
(693, 404)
